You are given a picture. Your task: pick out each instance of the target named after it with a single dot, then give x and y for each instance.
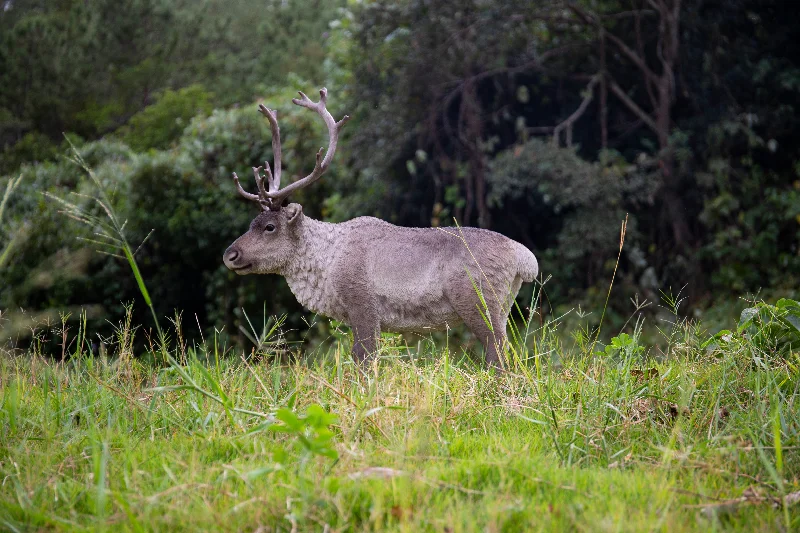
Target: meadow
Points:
(694, 432)
(664, 427)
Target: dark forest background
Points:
(547, 121)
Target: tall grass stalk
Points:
(13, 183)
(109, 236)
(10, 186)
(108, 230)
(622, 232)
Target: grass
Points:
(699, 433)
(624, 440)
(5, 247)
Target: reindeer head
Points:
(270, 242)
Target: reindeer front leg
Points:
(366, 331)
(356, 296)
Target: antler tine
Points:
(251, 197)
(262, 192)
(322, 164)
(272, 116)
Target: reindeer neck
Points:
(309, 270)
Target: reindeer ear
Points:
(293, 213)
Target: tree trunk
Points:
(471, 141)
(603, 94)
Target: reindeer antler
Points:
(272, 198)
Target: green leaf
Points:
(328, 452)
(264, 426)
(214, 384)
(317, 417)
(258, 472)
(793, 321)
(137, 275)
(291, 420)
(787, 303)
(714, 341)
(746, 318)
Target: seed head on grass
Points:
(5, 250)
(108, 231)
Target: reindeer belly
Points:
(406, 318)
(410, 293)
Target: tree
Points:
(424, 79)
(659, 84)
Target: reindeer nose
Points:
(230, 257)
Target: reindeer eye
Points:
(270, 228)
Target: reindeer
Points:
(375, 276)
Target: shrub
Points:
(163, 122)
(181, 203)
(31, 148)
(770, 333)
(565, 206)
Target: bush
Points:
(32, 148)
(163, 122)
(770, 333)
(181, 203)
(566, 208)
(50, 270)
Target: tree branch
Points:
(603, 95)
(535, 63)
(640, 48)
(630, 104)
(637, 60)
(570, 120)
(627, 14)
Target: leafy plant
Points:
(311, 430)
(623, 345)
(33, 147)
(770, 331)
(574, 205)
(163, 122)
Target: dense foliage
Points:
(549, 124)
